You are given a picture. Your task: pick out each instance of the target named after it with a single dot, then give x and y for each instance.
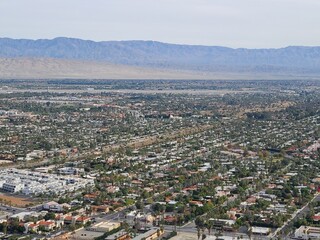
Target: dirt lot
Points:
(15, 201)
(185, 236)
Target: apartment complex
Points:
(33, 183)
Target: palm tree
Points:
(200, 224)
(199, 232)
(209, 226)
(5, 229)
(126, 227)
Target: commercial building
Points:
(306, 232)
(12, 187)
(104, 226)
(151, 234)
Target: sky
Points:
(231, 23)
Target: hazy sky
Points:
(233, 23)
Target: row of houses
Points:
(34, 183)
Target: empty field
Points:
(15, 201)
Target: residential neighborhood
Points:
(234, 160)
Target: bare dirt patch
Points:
(15, 200)
(185, 236)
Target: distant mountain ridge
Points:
(168, 56)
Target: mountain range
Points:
(208, 61)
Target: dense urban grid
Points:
(159, 159)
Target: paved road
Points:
(298, 214)
(11, 210)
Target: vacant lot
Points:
(185, 236)
(15, 201)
